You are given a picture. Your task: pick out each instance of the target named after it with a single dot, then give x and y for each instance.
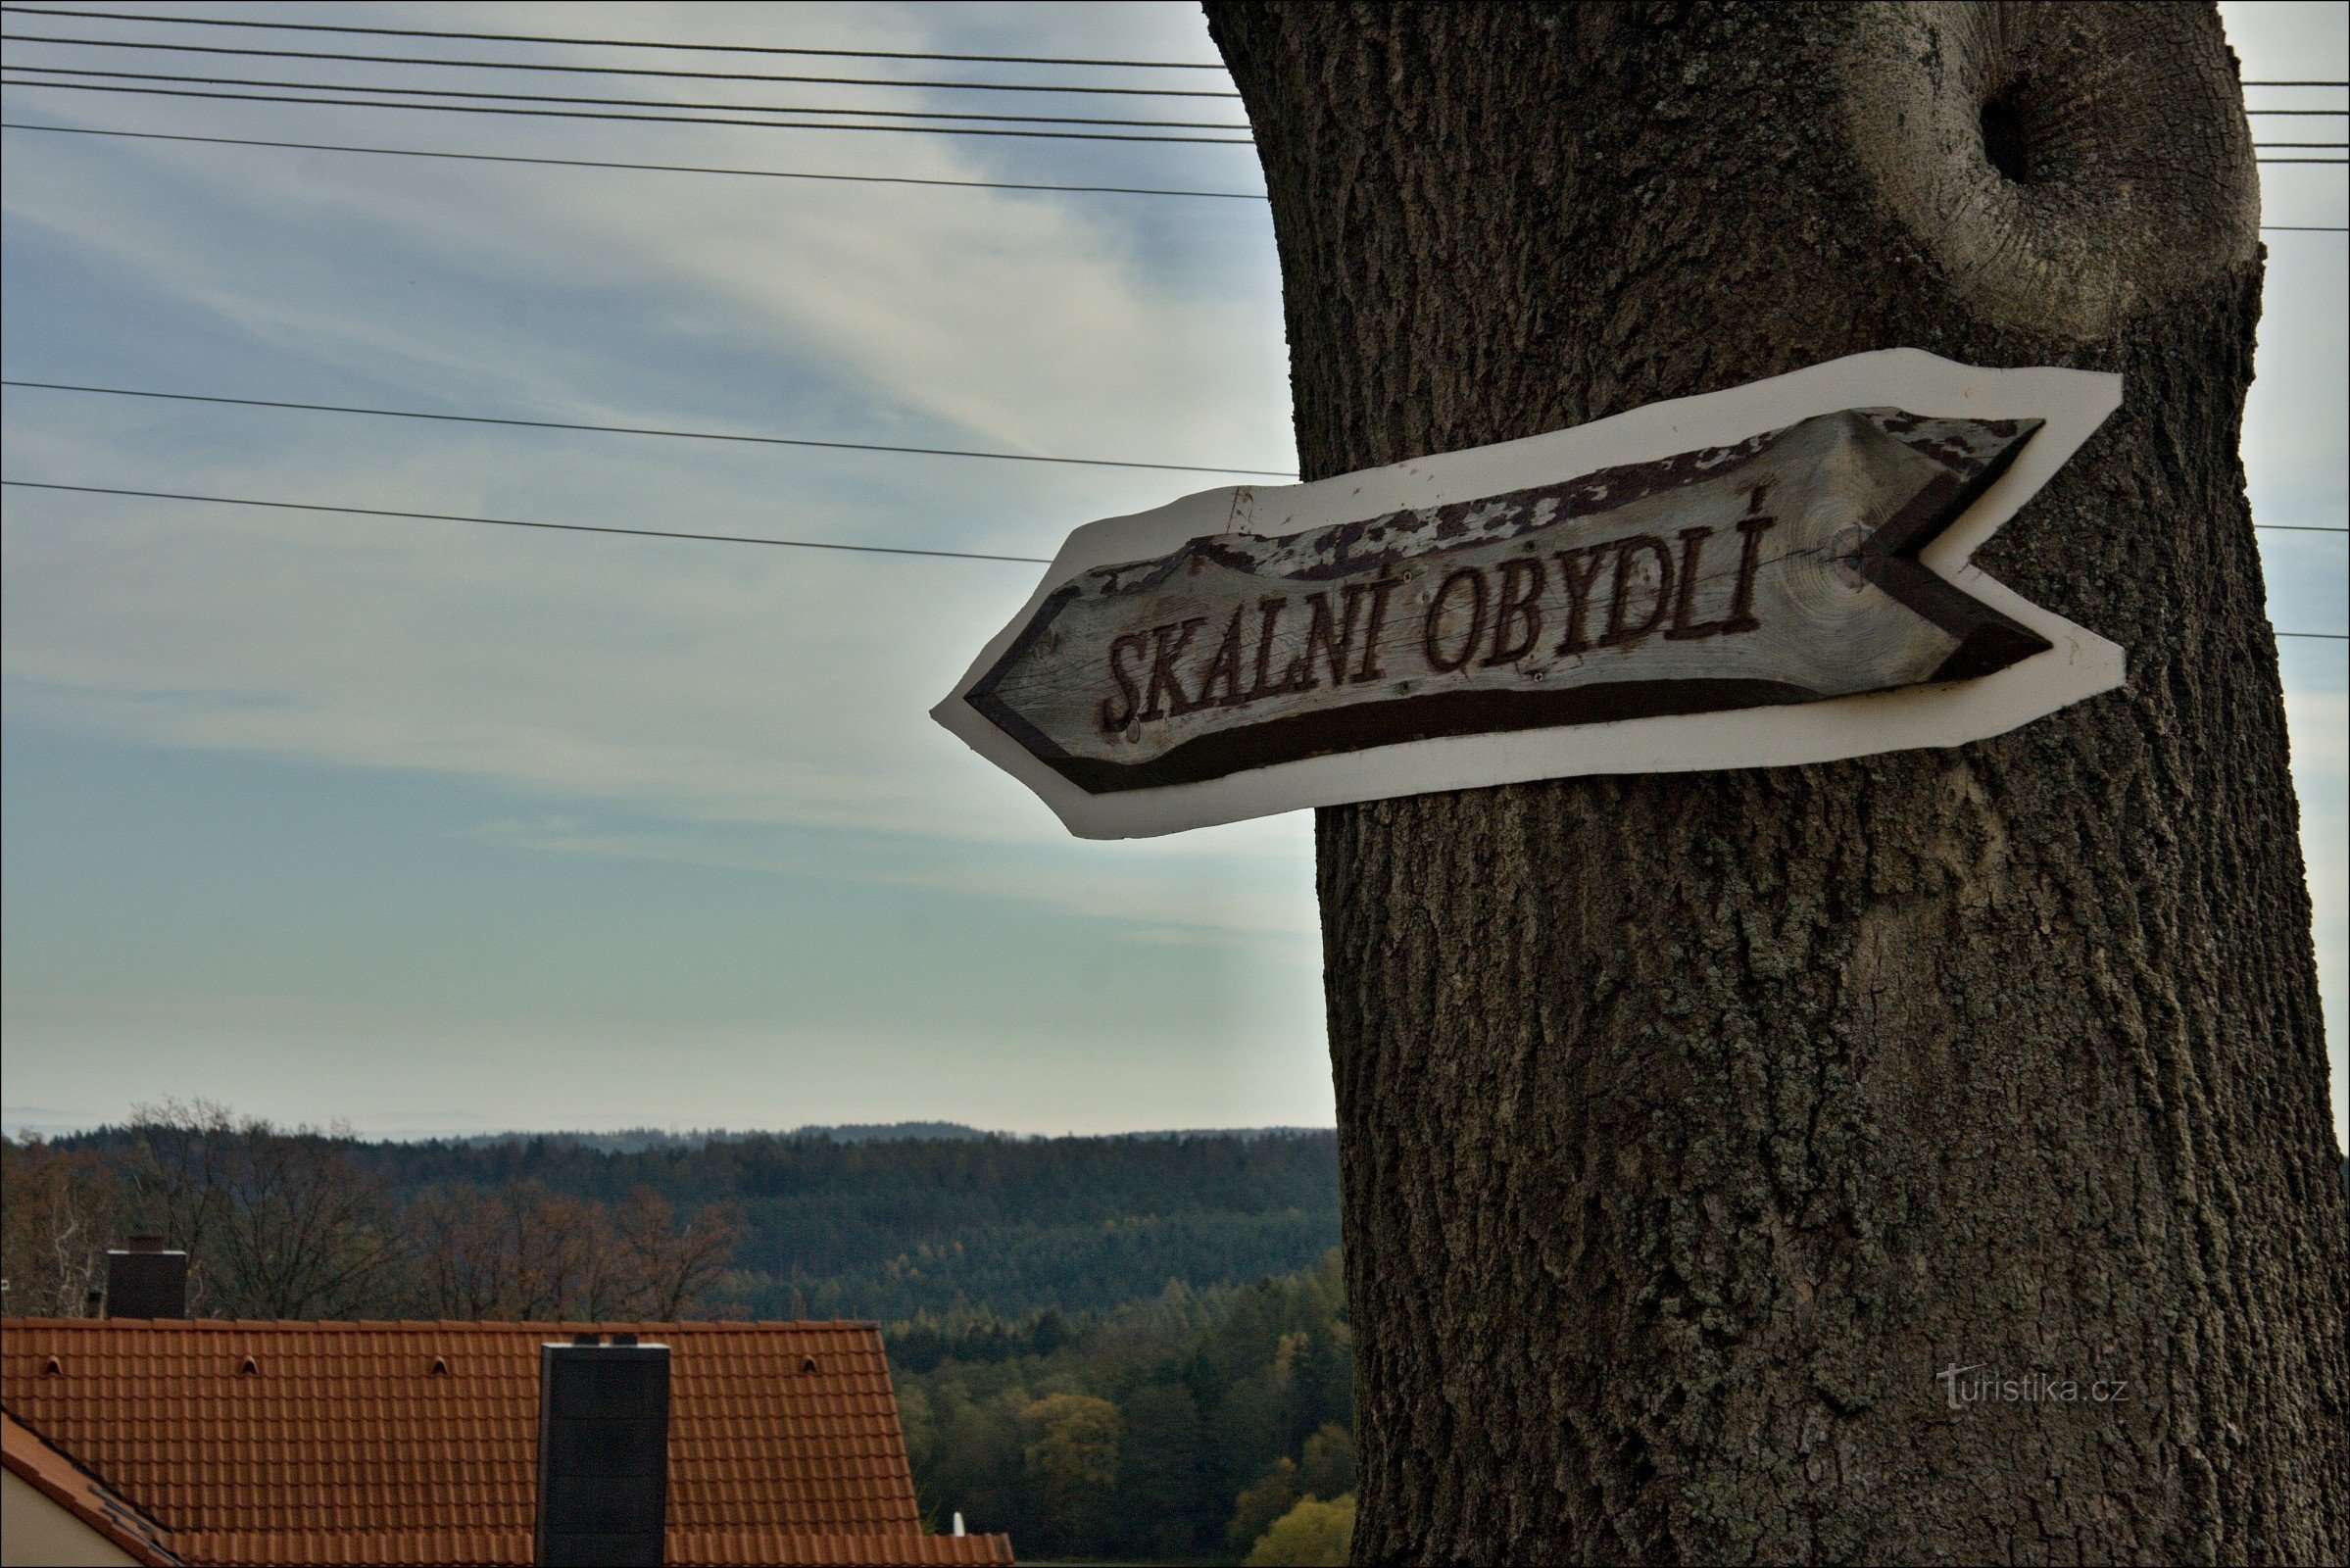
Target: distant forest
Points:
(1121, 1349)
(892, 1228)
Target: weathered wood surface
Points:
(1781, 569)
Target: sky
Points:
(429, 828)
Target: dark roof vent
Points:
(145, 1280)
(251, 1368)
(53, 1368)
(604, 1454)
(440, 1366)
(808, 1363)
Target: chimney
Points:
(145, 1280)
(604, 1453)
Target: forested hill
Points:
(892, 1228)
(1111, 1346)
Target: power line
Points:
(703, 435)
(663, 169)
(623, 103)
(499, 107)
(708, 76)
(702, 120)
(706, 435)
(582, 113)
(612, 71)
(712, 48)
(640, 533)
(612, 44)
(630, 429)
(759, 174)
(522, 522)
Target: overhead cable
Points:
(716, 48)
(677, 119)
(616, 70)
(584, 114)
(640, 533)
(524, 522)
(758, 173)
(611, 43)
(623, 103)
(706, 435)
(659, 168)
(631, 429)
(700, 120)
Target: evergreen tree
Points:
(1165, 1491)
(1070, 1458)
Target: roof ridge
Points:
(497, 1325)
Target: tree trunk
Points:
(1694, 1125)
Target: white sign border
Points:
(2078, 665)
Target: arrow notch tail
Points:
(1987, 641)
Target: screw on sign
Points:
(1776, 573)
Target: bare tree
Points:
(1700, 1132)
(458, 1269)
(60, 1210)
(306, 1234)
(519, 1250)
(277, 1223)
(523, 1252)
(296, 1223)
(672, 1266)
(177, 1168)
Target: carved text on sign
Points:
(1781, 569)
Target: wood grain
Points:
(1781, 569)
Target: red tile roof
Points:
(82, 1494)
(365, 1549)
(416, 1442)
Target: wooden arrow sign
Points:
(1614, 614)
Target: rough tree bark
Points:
(1691, 1125)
